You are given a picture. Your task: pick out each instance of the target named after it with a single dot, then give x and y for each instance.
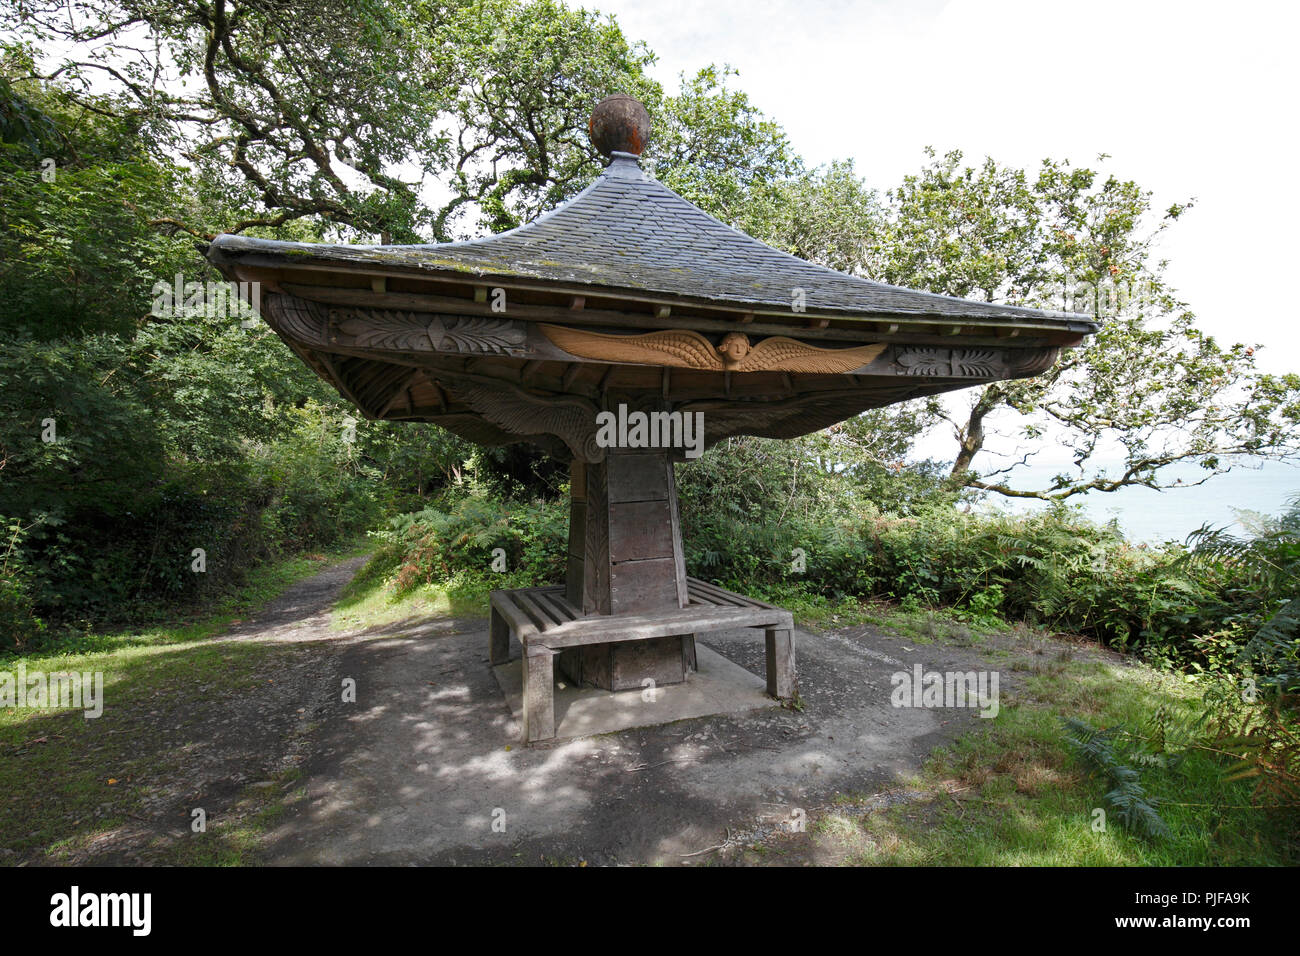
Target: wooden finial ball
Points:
(619, 124)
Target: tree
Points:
(1149, 387)
(826, 215)
(712, 146)
(524, 79)
(304, 108)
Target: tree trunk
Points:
(971, 437)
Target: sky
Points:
(1190, 100)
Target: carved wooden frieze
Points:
(950, 363)
(313, 324)
(569, 418)
(684, 348)
(421, 332)
(981, 363)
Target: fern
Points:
(1274, 649)
(1127, 798)
(1268, 561)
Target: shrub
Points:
(437, 543)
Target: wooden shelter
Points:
(627, 300)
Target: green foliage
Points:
(77, 251)
(128, 439)
(1261, 596)
(1261, 734)
(712, 146)
(460, 537)
(748, 505)
(763, 517)
(18, 622)
(1127, 797)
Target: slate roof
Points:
(626, 231)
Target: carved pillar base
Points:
(625, 557)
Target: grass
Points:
(369, 601)
(68, 780)
(1011, 793)
(266, 583)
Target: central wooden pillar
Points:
(625, 557)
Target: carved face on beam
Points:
(733, 347)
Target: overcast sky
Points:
(1191, 100)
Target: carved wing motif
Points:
(380, 328)
(1032, 361)
(679, 348)
(977, 363)
(299, 319)
(477, 335)
(787, 355)
(572, 420)
(925, 361)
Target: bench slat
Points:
(702, 596)
(721, 594)
(502, 602)
(541, 616)
(533, 608)
(556, 602)
(578, 633)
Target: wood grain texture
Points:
(539, 693)
(499, 638)
(639, 530)
(781, 674)
(686, 348)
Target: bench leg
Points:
(782, 682)
(499, 639)
(539, 693)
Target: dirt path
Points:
(424, 766)
(226, 745)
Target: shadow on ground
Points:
(427, 760)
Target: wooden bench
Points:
(545, 623)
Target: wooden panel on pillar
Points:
(639, 530)
(636, 586)
(625, 557)
(659, 659)
(595, 542)
(639, 478)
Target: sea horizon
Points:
(1151, 516)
